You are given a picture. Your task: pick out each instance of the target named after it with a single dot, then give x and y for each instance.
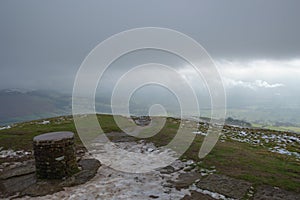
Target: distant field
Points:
(264, 115)
(278, 128)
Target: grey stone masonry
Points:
(55, 155)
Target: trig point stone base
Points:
(55, 155)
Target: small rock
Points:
(274, 193)
(153, 196)
(187, 179)
(224, 185)
(197, 196)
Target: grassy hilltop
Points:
(260, 156)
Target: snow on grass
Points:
(206, 172)
(5, 127)
(277, 143)
(13, 154)
(200, 133)
(44, 122)
(284, 151)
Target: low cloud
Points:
(267, 70)
(230, 83)
(265, 84)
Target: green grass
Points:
(20, 136)
(256, 165)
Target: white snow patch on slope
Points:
(5, 127)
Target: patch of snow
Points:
(200, 133)
(210, 193)
(5, 127)
(13, 154)
(241, 140)
(284, 152)
(205, 172)
(243, 133)
(132, 157)
(44, 122)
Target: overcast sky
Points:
(255, 43)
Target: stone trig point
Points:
(55, 155)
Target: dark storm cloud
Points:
(42, 43)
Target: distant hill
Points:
(236, 122)
(19, 105)
(24, 105)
